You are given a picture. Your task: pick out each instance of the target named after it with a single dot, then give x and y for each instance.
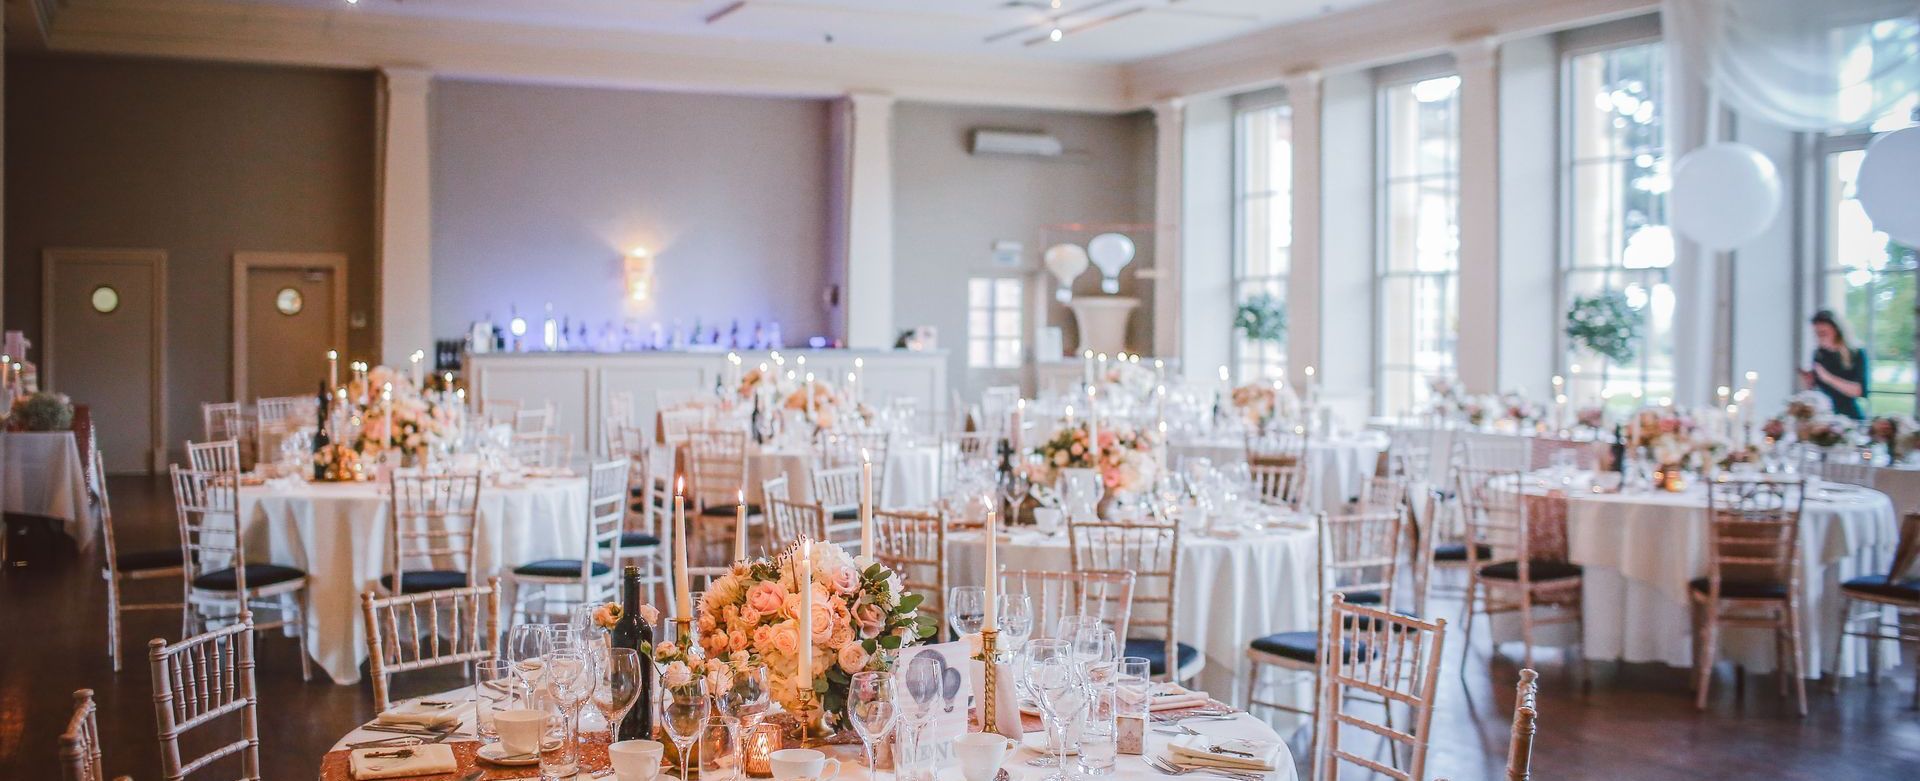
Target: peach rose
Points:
(853, 658)
(677, 674)
(650, 615)
(749, 616)
(845, 580)
(763, 637)
(872, 618)
(786, 638)
(822, 623)
(766, 597)
(714, 642)
(842, 634)
(737, 640)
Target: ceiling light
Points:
(1055, 4)
(1056, 35)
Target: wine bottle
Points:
(320, 439)
(631, 632)
(1619, 450)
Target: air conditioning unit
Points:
(1014, 142)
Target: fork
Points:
(1162, 766)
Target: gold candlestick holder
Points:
(813, 731)
(988, 638)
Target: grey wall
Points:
(950, 206)
(199, 160)
(539, 191)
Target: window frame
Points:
(1386, 79)
(993, 309)
(1819, 269)
(1238, 279)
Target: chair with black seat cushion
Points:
(1868, 597)
(650, 488)
(1359, 555)
(199, 682)
(432, 527)
(837, 490)
(1527, 570)
(221, 584)
(1151, 551)
(230, 420)
(1753, 577)
(789, 521)
(418, 631)
(1278, 463)
(1389, 659)
(562, 584)
(125, 567)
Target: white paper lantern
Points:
(1724, 195)
(1111, 252)
(1889, 185)
(1065, 262)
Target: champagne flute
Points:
(683, 711)
(870, 706)
(967, 609)
(1056, 681)
(571, 680)
(1016, 620)
(1038, 652)
(528, 644)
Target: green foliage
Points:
(43, 412)
(1262, 318)
(1605, 324)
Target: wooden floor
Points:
(1637, 723)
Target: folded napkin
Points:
(423, 760)
(417, 714)
(1174, 697)
(1234, 753)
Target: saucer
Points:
(493, 752)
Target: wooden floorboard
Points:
(1638, 722)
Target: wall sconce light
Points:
(639, 266)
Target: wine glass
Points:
(1012, 486)
(571, 680)
(1070, 624)
(1037, 652)
(528, 644)
(1095, 648)
(617, 687)
(683, 712)
(870, 706)
(747, 699)
(1016, 620)
(1055, 682)
(967, 609)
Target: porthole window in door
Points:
(105, 299)
(289, 301)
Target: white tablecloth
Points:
(337, 532)
(1231, 590)
(41, 475)
(1341, 465)
(912, 474)
(1640, 550)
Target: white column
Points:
(1206, 237)
(866, 135)
(1169, 179)
(1303, 284)
(1529, 205)
(405, 226)
(1478, 356)
(1346, 367)
(1695, 282)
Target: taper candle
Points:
(740, 529)
(866, 505)
(683, 597)
(993, 572)
(803, 571)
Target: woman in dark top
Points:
(1839, 369)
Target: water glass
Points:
(1098, 746)
(913, 760)
(747, 699)
(494, 685)
(1016, 621)
(720, 750)
(967, 609)
(1134, 687)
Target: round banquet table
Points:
(337, 532)
(911, 480)
(334, 766)
(1639, 550)
(1341, 465)
(1232, 589)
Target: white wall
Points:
(1529, 198)
(1207, 239)
(1763, 280)
(1347, 234)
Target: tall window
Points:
(1617, 244)
(993, 323)
(1419, 200)
(1264, 220)
(1864, 277)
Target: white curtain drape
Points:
(1812, 65)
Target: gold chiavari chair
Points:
(590, 578)
(124, 568)
(718, 469)
(279, 416)
(80, 744)
(1856, 473)
(539, 420)
(1151, 551)
(213, 549)
(428, 629)
(229, 420)
(500, 412)
(222, 456)
(775, 487)
(1280, 483)
(1753, 577)
(1525, 710)
(619, 409)
(677, 424)
(1868, 597)
(545, 451)
(1384, 656)
(789, 521)
(1359, 561)
(914, 545)
(1055, 595)
(1482, 452)
(432, 528)
(1527, 567)
(196, 682)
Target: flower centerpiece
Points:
(1260, 404)
(1446, 395)
(1128, 463)
(1593, 418)
(1520, 409)
(749, 616)
(1606, 324)
(1673, 440)
(41, 411)
(1826, 430)
(1899, 434)
(1129, 378)
(1478, 410)
(1807, 405)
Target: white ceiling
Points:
(1094, 31)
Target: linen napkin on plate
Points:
(423, 760)
(1171, 696)
(419, 714)
(1225, 753)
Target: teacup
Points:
(802, 764)
(980, 754)
(520, 730)
(1046, 519)
(636, 760)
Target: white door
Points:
(104, 310)
(292, 318)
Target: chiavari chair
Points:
(1280, 483)
(1443, 533)
(278, 416)
(1151, 551)
(433, 524)
(1753, 577)
(677, 424)
(619, 409)
(775, 488)
(429, 629)
(1483, 452)
(539, 420)
(1409, 453)
(1525, 711)
(222, 456)
(1866, 599)
(651, 481)
(858, 447)
(1526, 566)
(1055, 595)
(1384, 656)
(592, 577)
(789, 521)
(1359, 561)
(1854, 473)
(914, 545)
(837, 490)
(961, 450)
(123, 568)
(80, 743)
(229, 420)
(212, 551)
(717, 460)
(500, 412)
(546, 451)
(200, 680)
